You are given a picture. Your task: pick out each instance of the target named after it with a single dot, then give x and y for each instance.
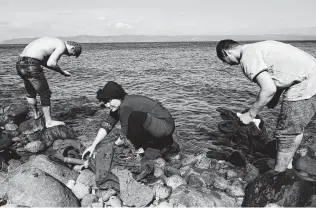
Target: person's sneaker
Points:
(119, 142)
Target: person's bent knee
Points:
(45, 98)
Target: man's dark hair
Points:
(77, 47)
(225, 45)
(110, 91)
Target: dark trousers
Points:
(138, 135)
(31, 71)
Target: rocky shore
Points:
(222, 176)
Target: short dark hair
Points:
(111, 90)
(77, 47)
(225, 45)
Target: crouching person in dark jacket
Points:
(144, 121)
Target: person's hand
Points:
(89, 151)
(246, 118)
(66, 73)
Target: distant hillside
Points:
(148, 38)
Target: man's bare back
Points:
(42, 48)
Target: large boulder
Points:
(15, 113)
(57, 132)
(56, 170)
(35, 188)
(286, 189)
(200, 197)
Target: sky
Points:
(36, 18)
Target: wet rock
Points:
(80, 190)
(218, 155)
(32, 125)
(237, 159)
(188, 160)
(37, 136)
(13, 164)
(184, 170)
(204, 163)
(200, 197)
(175, 181)
(97, 205)
(133, 193)
(231, 174)
(251, 173)
(161, 192)
(175, 164)
(286, 189)
(114, 201)
(11, 127)
(107, 194)
(86, 177)
(57, 132)
(88, 200)
(15, 113)
(235, 191)
(221, 183)
(196, 180)
(5, 142)
(209, 178)
(305, 164)
(169, 171)
(35, 188)
(57, 170)
(35, 146)
(10, 134)
(164, 204)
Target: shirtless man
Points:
(45, 52)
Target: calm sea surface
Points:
(186, 77)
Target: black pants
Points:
(139, 137)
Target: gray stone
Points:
(235, 191)
(11, 127)
(87, 177)
(35, 146)
(133, 193)
(35, 188)
(251, 172)
(175, 181)
(221, 183)
(88, 200)
(42, 162)
(204, 163)
(200, 197)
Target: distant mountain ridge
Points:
(166, 38)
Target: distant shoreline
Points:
(165, 38)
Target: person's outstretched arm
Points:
(100, 136)
(267, 91)
(52, 62)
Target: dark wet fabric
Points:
(109, 156)
(31, 71)
(255, 139)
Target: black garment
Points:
(140, 137)
(31, 71)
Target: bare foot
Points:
(290, 165)
(54, 123)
